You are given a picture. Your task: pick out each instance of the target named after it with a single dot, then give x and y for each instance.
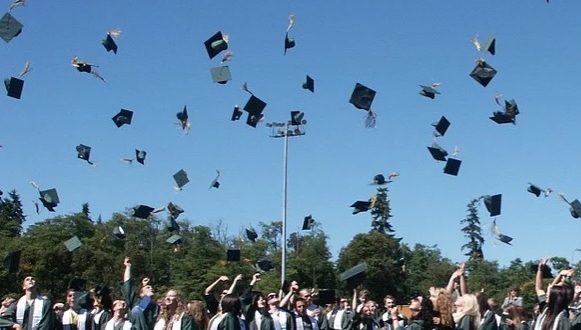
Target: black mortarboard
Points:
(308, 223)
(504, 238)
(362, 97)
(326, 297)
(181, 178)
(288, 42)
(452, 166)
(437, 152)
(221, 74)
(12, 261)
(140, 156)
(109, 44)
(490, 46)
(264, 266)
(233, 255)
(545, 269)
(102, 290)
(297, 118)
(251, 234)
(379, 179)
(173, 225)
(216, 44)
(309, 84)
(254, 107)
(49, 199)
(236, 113)
(9, 27)
(77, 284)
(428, 91)
(215, 183)
(14, 87)
(142, 211)
(355, 274)
(361, 206)
(73, 243)
(534, 190)
(493, 204)
(174, 210)
(119, 232)
(441, 126)
(575, 209)
(124, 117)
(84, 152)
(483, 73)
(174, 239)
(500, 117)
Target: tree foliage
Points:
(473, 232)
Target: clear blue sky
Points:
(391, 46)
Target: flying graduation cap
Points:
(429, 91)
(49, 198)
(251, 234)
(83, 66)
(288, 41)
(73, 244)
(508, 115)
(362, 97)
(500, 236)
(354, 275)
(182, 116)
(12, 261)
(488, 46)
(109, 41)
(84, 153)
(309, 84)
(236, 113)
(437, 152)
(10, 27)
(263, 266)
(493, 204)
(441, 126)
(119, 232)
(216, 44)
(14, 87)
(124, 117)
(140, 156)
(221, 74)
(215, 183)
(361, 206)
(536, 190)
(483, 72)
(142, 211)
(254, 107)
(174, 210)
(308, 222)
(175, 239)
(181, 179)
(452, 166)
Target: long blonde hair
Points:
(443, 305)
(469, 307)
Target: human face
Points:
(306, 296)
(170, 298)
(300, 307)
(415, 305)
(260, 302)
(147, 291)
(459, 304)
(366, 311)
(70, 298)
(389, 303)
(28, 283)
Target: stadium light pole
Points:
(294, 127)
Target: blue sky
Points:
(390, 46)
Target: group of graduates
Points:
(450, 308)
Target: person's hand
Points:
(294, 286)
(509, 322)
(17, 326)
(223, 278)
(256, 277)
(58, 306)
(238, 277)
(127, 262)
(394, 311)
(145, 281)
(436, 320)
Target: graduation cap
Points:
(182, 116)
(233, 255)
(174, 210)
(73, 244)
(181, 179)
(493, 204)
(362, 97)
(102, 290)
(326, 297)
(354, 275)
(119, 232)
(77, 284)
(575, 209)
(217, 43)
(535, 190)
(437, 152)
(215, 183)
(14, 87)
(236, 113)
(429, 91)
(500, 236)
(379, 179)
(124, 117)
(297, 118)
(288, 42)
(309, 84)
(140, 156)
(483, 73)
(254, 107)
(500, 117)
(251, 234)
(361, 206)
(12, 261)
(490, 46)
(9, 27)
(545, 269)
(49, 199)
(452, 166)
(174, 239)
(441, 126)
(308, 223)
(221, 74)
(83, 66)
(109, 41)
(84, 153)
(263, 266)
(142, 211)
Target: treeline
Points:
(190, 266)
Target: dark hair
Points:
(483, 305)
(231, 304)
(426, 313)
(255, 297)
(559, 298)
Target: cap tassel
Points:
(128, 160)
(27, 68)
(498, 99)
(371, 119)
(36, 207)
(476, 43)
(114, 33)
(16, 3)
(291, 22)
(227, 56)
(34, 185)
(562, 196)
(245, 88)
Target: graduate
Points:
(143, 311)
(174, 314)
(36, 307)
(255, 309)
(6, 314)
(102, 307)
(118, 321)
(231, 308)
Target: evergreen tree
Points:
(473, 232)
(85, 210)
(381, 213)
(11, 215)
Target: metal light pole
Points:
(291, 128)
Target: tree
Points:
(473, 232)
(425, 267)
(11, 215)
(85, 210)
(381, 213)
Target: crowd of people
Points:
(294, 308)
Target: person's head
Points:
(306, 295)
(467, 304)
(146, 290)
(28, 283)
(273, 301)
(389, 302)
(366, 311)
(442, 303)
(415, 305)
(560, 296)
(372, 306)
(70, 299)
(223, 293)
(492, 304)
(482, 299)
(231, 304)
(7, 301)
(258, 300)
(513, 292)
(119, 308)
(426, 312)
(300, 306)
(514, 313)
(198, 312)
(344, 303)
(172, 299)
(363, 295)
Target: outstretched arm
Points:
(127, 273)
(453, 277)
(286, 299)
(211, 286)
(539, 277)
(233, 286)
(354, 301)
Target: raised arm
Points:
(127, 272)
(457, 273)
(233, 286)
(294, 287)
(354, 301)
(211, 286)
(463, 285)
(539, 278)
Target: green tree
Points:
(381, 213)
(425, 267)
(473, 231)
(11, 216)
(85, 210)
